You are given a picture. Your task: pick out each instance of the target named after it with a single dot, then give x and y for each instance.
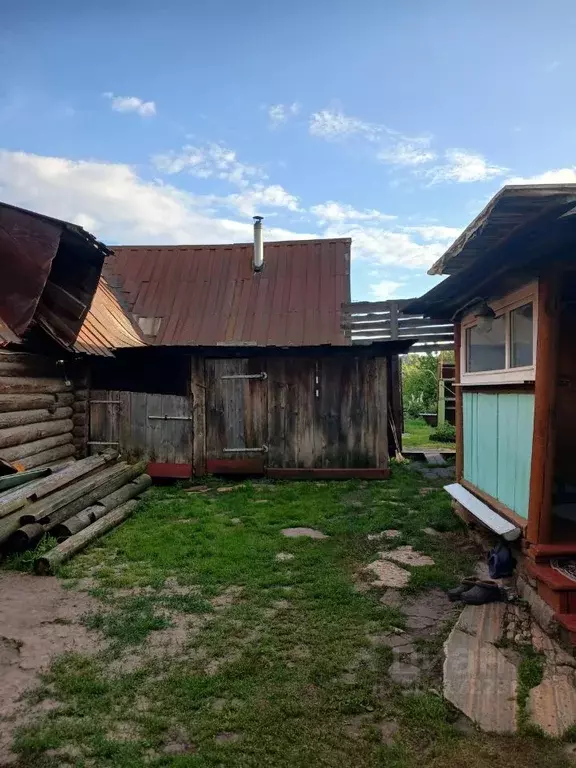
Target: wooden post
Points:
(393, 319)
(198, 395)
(458, 403)
(543, 441)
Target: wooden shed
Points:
(512, 292)
(248, 368)
(307, 412)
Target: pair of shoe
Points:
(474, 591)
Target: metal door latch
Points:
(262, 376)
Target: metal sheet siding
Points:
(210, 295)
(498, 445)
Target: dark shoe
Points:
(456, 594)
(482, 593)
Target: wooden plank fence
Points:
(366, 321)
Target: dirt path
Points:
(38, 621)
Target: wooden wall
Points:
(323, 413)
(142, 425)
(497, 432)
(294, 413)
(36, 410)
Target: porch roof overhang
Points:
(521, 227)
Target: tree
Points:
(420, 382)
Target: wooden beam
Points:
(344, 473)
(373, 306)
(198, 395)
(458, 395)
(543, 441)
(502, 509)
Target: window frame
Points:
(504, 306)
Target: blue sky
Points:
(389, 122)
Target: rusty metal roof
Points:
(107, 325)
(209, 294)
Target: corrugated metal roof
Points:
(510, 210)
(106, 326)
(210, 295)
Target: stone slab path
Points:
(482, 656)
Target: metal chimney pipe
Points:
(258, 244)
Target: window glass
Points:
(486, 349)
(521, 336)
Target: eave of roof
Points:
(498, 243)
(508, 211)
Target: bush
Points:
(419, 384)
(445, 433)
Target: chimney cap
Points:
(257, 218)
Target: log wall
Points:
(37, 407)
(81, 412)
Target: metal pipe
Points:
(258, 244)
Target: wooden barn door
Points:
(143, 425)
(236, 415)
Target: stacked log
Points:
(70, 500)
(36, 410)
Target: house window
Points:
(522, 336)
(501, 349)
(487, 347)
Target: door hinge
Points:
(261, 449)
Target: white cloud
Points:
(559, 176)
(280, 113)
(463, 166)
(116, 204)
(409, 152)
(334, 211)
(387, 246)
(131, 104)
(434, 232)
(209, 161)
(334, 124)
(258, 197)
(385, 289)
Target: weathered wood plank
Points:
(199, 413)
(12, 385)
(27, 433)
(20, 402)
(76, 543)
(47, 456)
(19, 452)
(21, 418)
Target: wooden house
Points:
(511, 290)
(247, 368)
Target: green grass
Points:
(417, 435)
(282, 661)
(530, 673)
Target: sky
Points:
(389, 122)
